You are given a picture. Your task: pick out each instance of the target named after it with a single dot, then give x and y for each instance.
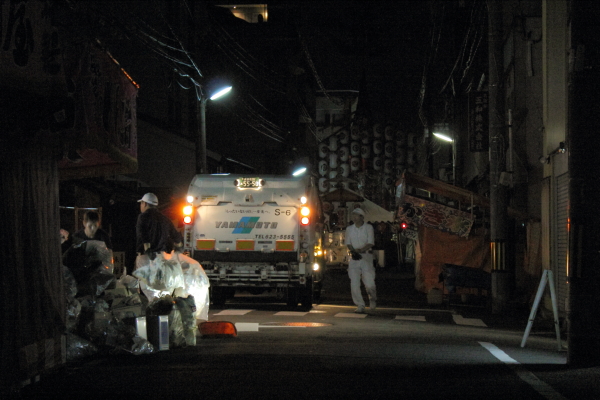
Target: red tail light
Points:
(304, 212)
(188, 211)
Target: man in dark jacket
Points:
(154, 231)
(92, 230)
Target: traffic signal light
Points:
(403, 225)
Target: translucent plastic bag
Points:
(78, 348)
(162, 305)
(142, 346)
(91, 264)
(100, 281)
(176, 336)
(73, 312)
(119, 334)
(161, 275)
(186, 307)
(129, 281)
(196, 284)
(90, 304)
(97, 252)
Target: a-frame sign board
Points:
(547, 277)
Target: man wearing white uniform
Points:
(360, 239)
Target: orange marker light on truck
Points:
(187, 214)
(304, 212)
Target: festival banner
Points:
(446, 219)
(105, 128)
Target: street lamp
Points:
(201, 166)
(301, 166)
(442, 132)
(299, 171)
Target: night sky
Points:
(388, 41)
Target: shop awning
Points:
(373, 212)
(454, 192)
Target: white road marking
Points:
(246, 326)
(538, 385)
(281, 326)
(394, 309)
(234, 312)
(460, 320)
(255, 326)
(411, 317)
(350, 315)
(291, 313)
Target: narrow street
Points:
(417, 351)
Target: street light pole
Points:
(442, 132)
(201, 166)
(453, 160)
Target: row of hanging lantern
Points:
(385, 151)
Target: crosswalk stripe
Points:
(234, 312)
(291, 313)
(460, 320)
(246, 326)
(350, 315)
(411, 317)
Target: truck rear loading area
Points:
(256, 234)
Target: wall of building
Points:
(165, 159)
(555, 61)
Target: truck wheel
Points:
(307, 296)
(292, 297)
(317, 292)
(218, 296)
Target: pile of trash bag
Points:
(176, 285)
(92, 267)
(104, 313)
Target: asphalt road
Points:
(413, 352)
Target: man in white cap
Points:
(360, 238)
(155, 232)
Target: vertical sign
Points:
(478, 122)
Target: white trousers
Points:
(362, 269)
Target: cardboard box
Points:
(158, 331)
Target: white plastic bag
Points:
(196, 283)
(160, 276)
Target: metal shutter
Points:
(561, 239)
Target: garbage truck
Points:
(256, 234)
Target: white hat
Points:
(149, 198)
(359, 211)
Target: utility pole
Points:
(197, 33)
(498, 209)
(201, 166)
(584, 188)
